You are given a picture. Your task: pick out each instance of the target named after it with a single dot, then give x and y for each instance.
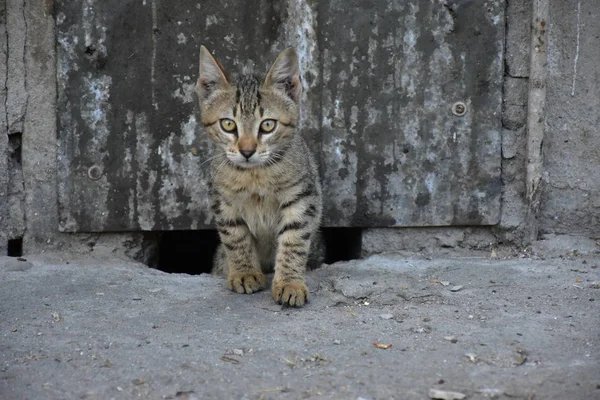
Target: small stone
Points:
(451, 339)
(238, 352)
(422, 329)
(445, 395)
(386, 316)
(492, 393)
(456, 288)
(336, 342)
(445, 283)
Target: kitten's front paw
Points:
(294, 293)
(246, 282)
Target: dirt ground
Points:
(480, 324)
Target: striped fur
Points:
(267, 205)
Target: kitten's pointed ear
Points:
(284, 75)
(211, 75)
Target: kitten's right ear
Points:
(211, 75)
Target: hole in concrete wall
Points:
(191, 252)
(15, 248)
(187, 252)
(343, 244)
(14, 147)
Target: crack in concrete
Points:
(25, 61)
(576, 59)
(22, 174)
(5, 78)
(506, 73)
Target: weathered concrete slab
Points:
(13, 98)
(40, 205)
(393, 152)
(570, 201)
(73, 328)
(380, 82)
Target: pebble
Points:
(445, 395)
(336, 341)
(386, 316)
(451, 339)
(456, 288)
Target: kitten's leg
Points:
(243, 267)
(220, 262)
(299, 225)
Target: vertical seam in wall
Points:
(5, 77)
(154, 46)
(576, 59)
(535, 108)
(502, 108)
(4, 211)
(25, 110)
(25, 61)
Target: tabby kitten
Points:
(265, 189)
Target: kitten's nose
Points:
(247, 153)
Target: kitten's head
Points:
(252, 120)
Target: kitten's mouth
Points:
(248, 163)
(245, 163)
(256, 161)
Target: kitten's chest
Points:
(260, 211)
(257, 202)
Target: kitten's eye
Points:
(268, 125)
(228, 125)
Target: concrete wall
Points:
(376, 106)
(28, 162)
(570, 201)
(571, 185)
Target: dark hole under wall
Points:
(187, 252)
(342, 244)
(15, 248)
(191, 252)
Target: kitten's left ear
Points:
(284, 75)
